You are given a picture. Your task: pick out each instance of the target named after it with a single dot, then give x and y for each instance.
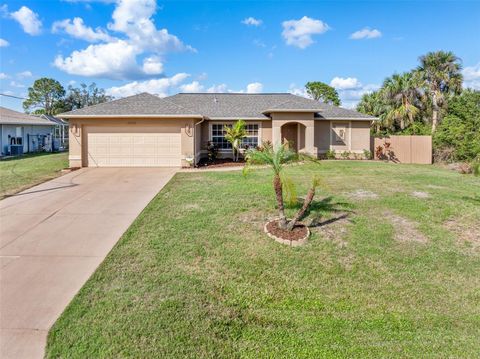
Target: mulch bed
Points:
(221, 163)
(299, 231)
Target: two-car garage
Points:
(133, 146)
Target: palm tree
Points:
(401, 92)
(441, 75)
(235, 134)
(276, 158)
(374, 104)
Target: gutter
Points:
(194, 139)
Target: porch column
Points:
(310, 137)
(276, 133)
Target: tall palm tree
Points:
(401, 91)
(440, 73)
(235, 134)
(276, 157)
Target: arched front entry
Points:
(293, 133)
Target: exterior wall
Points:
(322, 136)
(27, 130)
(304, 118)
(337, 126)
(360, 136)
(78, 131)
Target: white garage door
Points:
(115, 148)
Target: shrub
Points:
(212, 151)
(345, 155)
(367, 154)
(330, 154)
(459, 129)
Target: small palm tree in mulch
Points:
(277, 157)
(235, 134)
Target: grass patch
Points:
(17, 174)
(195, 276)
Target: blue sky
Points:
(166, 47)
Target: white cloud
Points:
(471, 77)
(77, 29)
(3, 76)
(365, 33)
(294, 90)
(218, 88)
(117, 58)
(161, 87)
(351, 90)
(255, 87)
(16, 84)
(28, 20)
(299, 32)
(24, 74)
(344, 83)
(251, 21)
(194, 86)
(4, 43)
(152, 66)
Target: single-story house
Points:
(21, 133)
(146, 130)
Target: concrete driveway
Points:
(53, 237)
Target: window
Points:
(218, 136)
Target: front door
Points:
(290, 135)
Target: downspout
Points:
(194, 139)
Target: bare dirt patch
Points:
(420, 194)
(362, 194)
(333, 229)
(405, 229)
(466, 230)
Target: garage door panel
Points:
(123, 148)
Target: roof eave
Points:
(66, 116)
(292, 110)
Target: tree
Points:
(440, 74)
(401, 93)
(458, 136)
(276, 158)
(235, 134)
(321, 91)
(85, 95)
(45, 96)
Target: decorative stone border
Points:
(297, 243)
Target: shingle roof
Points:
(214, 105)
(235, 105)
(11, 117)
(143, 104)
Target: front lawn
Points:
(391, 270)
(19, 173)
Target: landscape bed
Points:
(388, 271)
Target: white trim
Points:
(292, 110)
(239, 118)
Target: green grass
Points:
(195, 276)
(17, 174)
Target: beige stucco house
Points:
(146, 130)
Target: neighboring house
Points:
(145, 130)
(60, 133)
(22, 133)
